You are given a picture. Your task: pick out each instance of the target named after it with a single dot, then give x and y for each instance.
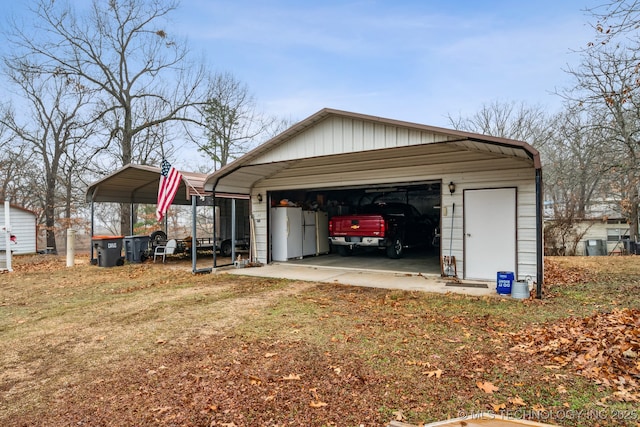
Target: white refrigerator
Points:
(286, 233)
(322, 233)
(309, 233)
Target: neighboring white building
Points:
(23, 223)
(604, 236)
(491, 221)
(604, 231)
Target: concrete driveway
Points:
(370, 270)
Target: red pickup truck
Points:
(389, 226)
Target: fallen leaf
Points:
(291, 377)
(398, 415)
(562, 389)
(267, 355)
(517, 401)
(436, 373)
(487, 387)
(498, 407)
(317, 404)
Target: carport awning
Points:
(139, 184)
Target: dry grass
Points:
(155, 345)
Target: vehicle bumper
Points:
(375, 242)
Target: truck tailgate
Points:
(357, 225)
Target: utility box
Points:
(136, 248)
(109, 249)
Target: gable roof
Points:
(240, 175)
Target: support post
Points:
(132, 213)
(7, 229)
(215, 225)
(233, 229)
(539, 235)
(71, 247)
(194, 238)
(92, 259)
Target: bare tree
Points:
(14, 161)
(120, 50)
(575, 162)
(608, 81)
(232, 123)
(615, 20)
(53, 126)
(508, 120)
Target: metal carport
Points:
(138, 184)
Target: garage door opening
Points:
(284, 234)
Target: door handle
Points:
(468, 234)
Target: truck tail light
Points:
(383, 227)
(330, 228)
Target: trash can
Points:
(109, 249)
(595, 247)
(136, 248)
(630, 247)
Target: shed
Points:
(23, 223)
(484, 192)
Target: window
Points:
(617, 234)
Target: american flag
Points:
(170, 179)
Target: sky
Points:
(413, 60)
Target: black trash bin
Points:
(136, 248)
(109, 249)
(631, 248)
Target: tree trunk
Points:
(49, 215)
(127, 157)
(633, 215)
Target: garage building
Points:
(482, 192)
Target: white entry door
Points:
(489, 232)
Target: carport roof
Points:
(139, 184)
(240, 175)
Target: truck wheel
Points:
(225, 248)
(157, 237)
(395, 250)
(345, 250)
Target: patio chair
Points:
(167, 249)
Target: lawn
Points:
(152, 344)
